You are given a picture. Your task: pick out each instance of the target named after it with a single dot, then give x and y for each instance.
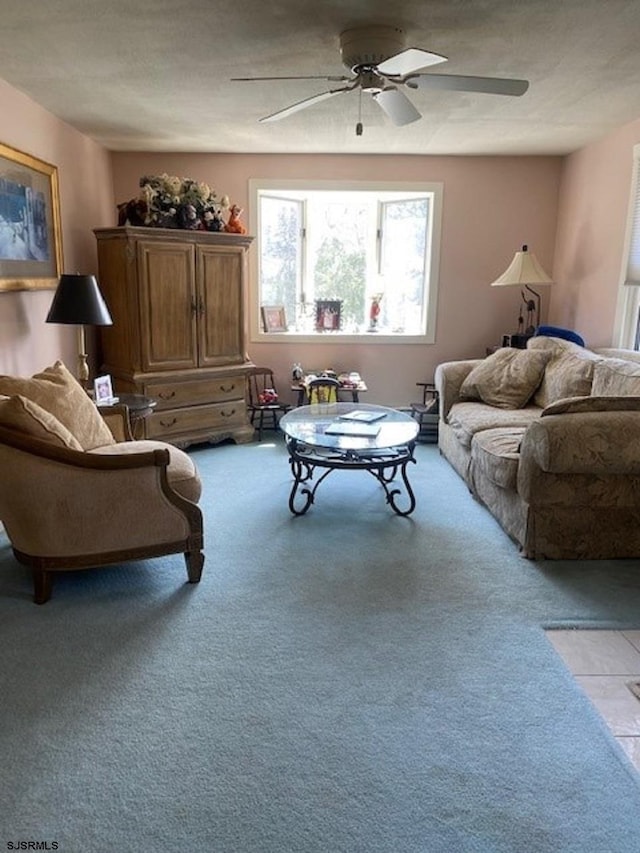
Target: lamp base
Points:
(519, 341)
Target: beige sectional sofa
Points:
(548, 439)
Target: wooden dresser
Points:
(177, 299)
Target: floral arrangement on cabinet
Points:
(166, 201)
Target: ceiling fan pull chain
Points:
(359, 124)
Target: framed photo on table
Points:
(30, 237)
(274, 318)
(103, 391)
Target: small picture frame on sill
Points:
(103, 391)
(274, 318)
(328, 315)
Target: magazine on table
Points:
(341, 427)
(362, 416)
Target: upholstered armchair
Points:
(73, 497)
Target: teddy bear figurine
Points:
(234, 224)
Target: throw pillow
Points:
(29, 418)
(556, 345)
(616, 377)
(577, 405)
(58, 392)
(569, 373)
(506, 379)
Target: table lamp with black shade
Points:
(78, 302)
(524, 271)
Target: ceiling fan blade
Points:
(397, 106)
(408, 62)
(462, 83)
(339, 79)
(308, 102)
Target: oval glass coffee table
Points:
(354, 437)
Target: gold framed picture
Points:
(274, 318)
(30, 234)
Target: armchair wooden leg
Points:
(42, 583)
(195, 561)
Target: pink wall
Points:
(492, 205)
(27, 343)
(592, 219)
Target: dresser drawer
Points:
(216, 389)
(198, 419)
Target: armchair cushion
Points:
(58, 392)
(507, 378)
(29, 418)
(182, 473)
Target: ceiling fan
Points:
(379, 63)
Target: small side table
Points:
(139, 407)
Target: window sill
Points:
(338, 338)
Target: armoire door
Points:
(168, 305)
(220, 278)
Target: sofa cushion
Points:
(182, 473)
(467, 419)
(569, 373)
(25, 416)
(495, 454)
(577, 405)
(507, 378)
(57, 391)
(615, 377)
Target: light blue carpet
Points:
(345, 682)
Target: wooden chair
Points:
(324, 389)
(263, 399)
(426, 412)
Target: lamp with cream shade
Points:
(524, 271)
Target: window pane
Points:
(402, 264)
(280, 253)
(337, 255)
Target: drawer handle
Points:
(227, 390)
(169, 423)
(166, 395)
(228, 414)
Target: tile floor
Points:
(603, 664)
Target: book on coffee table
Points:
(354, 429)
(362, 416)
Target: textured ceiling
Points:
(153, 75)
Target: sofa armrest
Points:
(449, 377)
(599, 443)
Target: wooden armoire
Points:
(177, 299)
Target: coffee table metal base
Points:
(388, 466)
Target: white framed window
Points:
(348, 260)
(627, 329)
